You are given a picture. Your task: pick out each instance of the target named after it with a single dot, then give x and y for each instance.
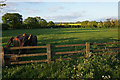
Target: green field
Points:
(65, 35)
(95, 67)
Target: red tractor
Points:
(23, 40)
(19, 41)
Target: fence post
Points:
(87, 49)
(3, 61)
(48, 53)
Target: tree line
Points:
(15, 21)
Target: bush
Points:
(98, 67)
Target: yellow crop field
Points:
(69, 24)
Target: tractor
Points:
(20, 41)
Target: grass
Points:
(81, 68)
(65, 35)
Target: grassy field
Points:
(95, 67)
(65, 35)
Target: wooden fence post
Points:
(48, 53)
(87, 49)
(3, 61)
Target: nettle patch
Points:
(104, 67)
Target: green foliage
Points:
(14, 20)
(84, 24)
(98, 67)
(2, 4)
(43, 23)
(51, 24)
(30, 22)
(92, 24)
(107, 23)
(100, 25)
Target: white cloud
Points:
(31, 10)
(10, 7)
(56, 8)
(68, 17)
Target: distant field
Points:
(70, 24)
(65, 35)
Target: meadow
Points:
(65, 35)
(105, 67)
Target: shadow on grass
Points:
(73, 41)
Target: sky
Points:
(64, 11)
(63, 0)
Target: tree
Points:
(38, 19)
(14, 20)
(84, 23)
(35, 22)
(100, 25)
(31, 22)
(107, 23)
(51, 24)
(43, 23)
(116, 23)
(78, 22)
(90, 24)
(112, 23)
(2, 3)
(94, 23)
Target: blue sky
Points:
(64, 11)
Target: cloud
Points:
(10, 7)
(10, 10)
(66, 17)
(13, 10)
(11, 4)
(31, 10)
(2, 1)
(56, 8)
